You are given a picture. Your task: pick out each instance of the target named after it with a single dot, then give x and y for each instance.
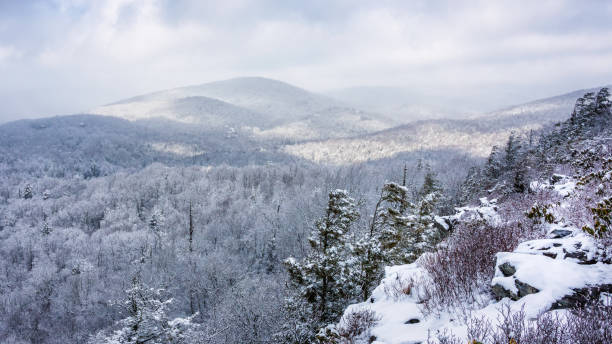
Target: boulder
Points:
(507, 269)
(582, 296)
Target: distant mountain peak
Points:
(268, 107)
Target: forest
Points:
(107, 240)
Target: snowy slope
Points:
(264, 107)
(548, 274)
(475, 135)
(553, 109)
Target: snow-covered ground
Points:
(537, 276)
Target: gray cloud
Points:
(66, 56)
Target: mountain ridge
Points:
(279, 110)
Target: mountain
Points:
(474, 135)
(67, 145)
(402, 104)
(540, 111)
(260, 107)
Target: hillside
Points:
(475, 135)
(529, 263)
(67, 145)
(263, 108)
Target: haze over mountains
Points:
(474, 134)
(258, 120)
(262, 107)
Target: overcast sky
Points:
(66, 56)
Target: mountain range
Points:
(259, 120)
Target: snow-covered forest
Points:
(305, 172)
(110, 235)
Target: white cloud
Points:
(107, 50)
(7, 52)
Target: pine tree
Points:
(46, 229)
(425, 235)
(602, 100)
(27, 192)
(493, 167)
(147, 320)
(392, 223)
(512, 149)
(322, 278)
(270, 259)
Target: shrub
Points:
(354, 327)
(588, 325)
(400, 288)
(460, 270)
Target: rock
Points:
(582, 296)
(412, 321)
(559, 233)
(555, 178)
(443, 224)
(550, 255)
(507, 269)
(525, 289)
(581, 256)
(501, 292)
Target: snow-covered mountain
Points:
(263, 107)
(474, 135)
(540, 111)
(407, 105)
(402, 104)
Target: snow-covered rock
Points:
(396, 304)
(486, 211)
(552, 273)
(561, 184)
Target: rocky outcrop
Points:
(563, 271)
(581, 296)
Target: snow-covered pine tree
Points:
(270, 256)
(512, 149)
(321, 280)
(603, 102)
(493, 167)
(425, 234)
(27, 192)
(392, 224)
(147, 320)
(46, 229)
(388, 240)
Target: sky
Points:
(68, 56)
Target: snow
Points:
(487, 211)
(442, 222)
(395, 308)
(555, 278)
(567, 259)
(561, 184)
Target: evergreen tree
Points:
(512, 150)
(383, 241)
(392, 225)
(270, 259)
(27, 192)
(322, 278)
(425, 234)
(493, 167)
(602, 100)
(147, 320)
(46, 229)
